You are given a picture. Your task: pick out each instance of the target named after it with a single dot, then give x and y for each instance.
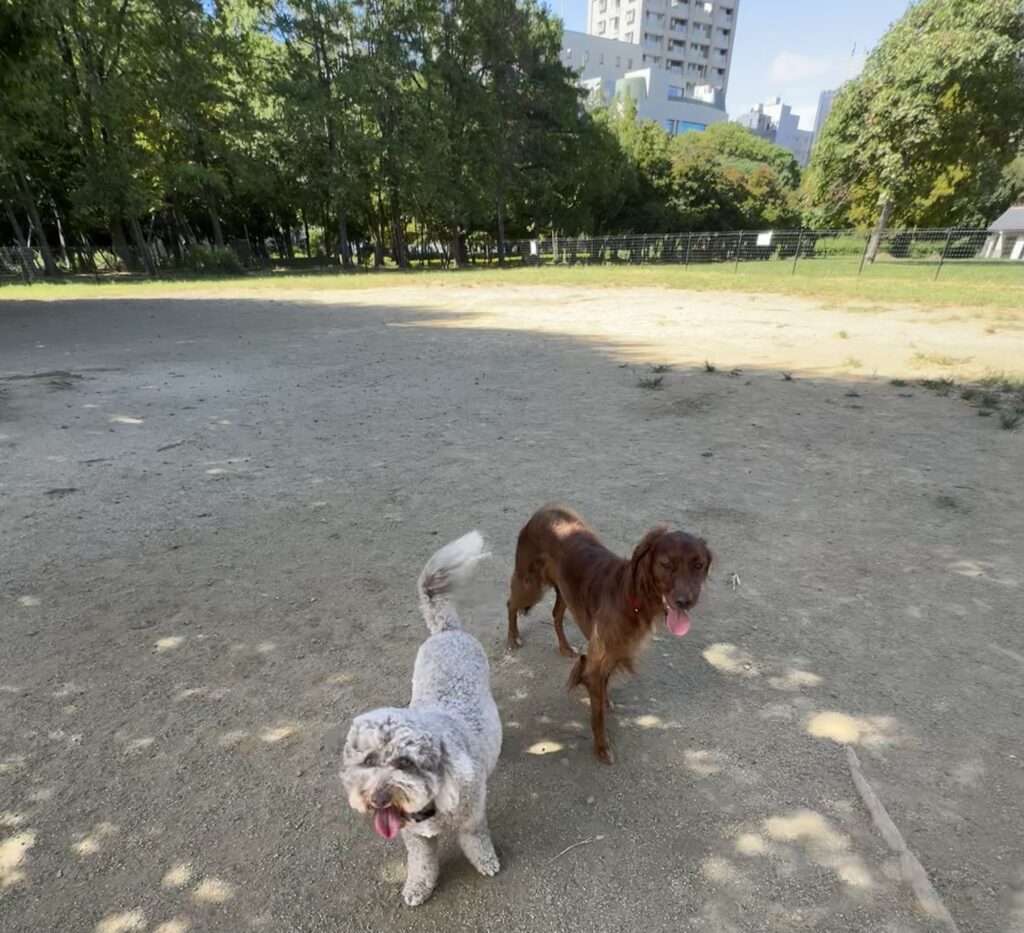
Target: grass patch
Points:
(646, 381)
(1004, 382)
(852, 362)
(709, 367)
(898, 382)
(1009, 418)
(661, 367)
(940, 359)
(843, 335)
(938, 386)
(787, 377)
(986, 287)
(1000, 394)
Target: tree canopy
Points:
(354, 128)
(929, 128)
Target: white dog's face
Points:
(394, 769)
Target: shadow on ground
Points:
(212, 518)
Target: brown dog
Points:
(613, 601)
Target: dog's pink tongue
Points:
(387, 822)
(678, 622)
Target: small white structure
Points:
(1006, 239)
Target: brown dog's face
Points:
(677, 565)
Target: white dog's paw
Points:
(415, 894)
(487, 865)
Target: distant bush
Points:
(210, 260)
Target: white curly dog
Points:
(423, 770)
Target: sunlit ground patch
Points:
(13, 851)
(544, 747)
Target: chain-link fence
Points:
(839, 252)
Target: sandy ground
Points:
(212, 515)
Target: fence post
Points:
(942, 255)
(796, 255)
(689, 236)
(739, 246)
(864, 255)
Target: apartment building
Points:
(613, 70)
(825, 100)
(776, 122)
(690, 39)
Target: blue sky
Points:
(791, 49)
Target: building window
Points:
(683, 126)
(628, 38)
(600, 59)
(600, 28)
(675, 93)
(618, 61)
(602, 6)
(630, 16)
(568, 54)
(629, 63)
(586, 58)
(670, 125)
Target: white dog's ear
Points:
(457, 769)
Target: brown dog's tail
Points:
(445, 572)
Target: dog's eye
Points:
(370, 761)
(666, 564)
(402, 764)
(698, 565)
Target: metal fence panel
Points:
(825, 251)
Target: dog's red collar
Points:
(633, 604)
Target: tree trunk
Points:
(458, 244)
(29, 203)
(343, 247)
(876, 237)
(175, 228)
(305, 227)
(397, 234)
(211, 206)
(19, 238)
(142, 248)
(121, 248)
(501, 230)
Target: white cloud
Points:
(792, 67)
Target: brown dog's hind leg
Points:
(558, 615)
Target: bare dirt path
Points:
(212, 514)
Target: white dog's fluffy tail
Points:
(445, 572)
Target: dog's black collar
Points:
(425, 814)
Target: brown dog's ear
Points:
(709, 554)
(640, 563)
(647, 543)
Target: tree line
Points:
(351, 128)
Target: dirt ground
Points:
(212, 515)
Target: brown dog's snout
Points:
(381, 799)
(685, 602)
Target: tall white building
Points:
(776, 122)
(690, 39)
(825, 100)
(612, 70)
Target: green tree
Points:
(923, 135)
